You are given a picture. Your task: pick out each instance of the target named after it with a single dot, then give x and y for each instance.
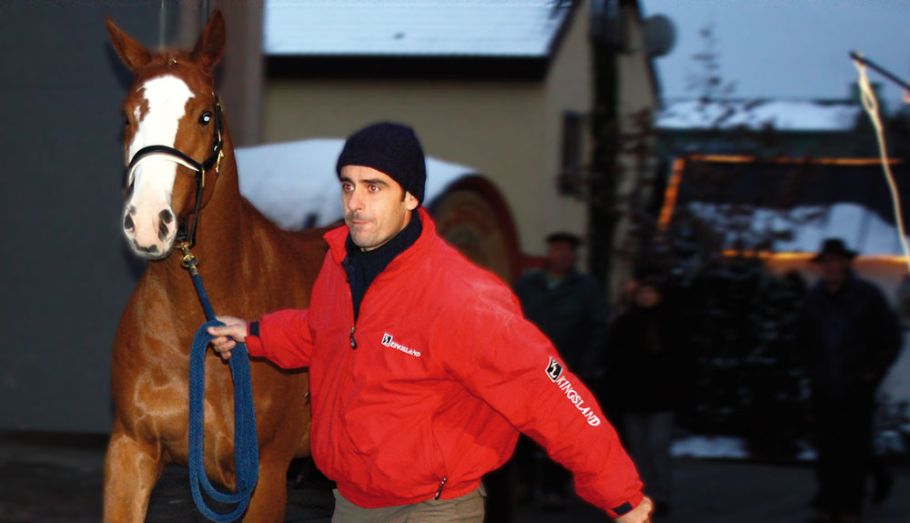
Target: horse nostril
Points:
(166, 216)
(150, 249)
(128, 223)
(162, 230)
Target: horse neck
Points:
(221, 229)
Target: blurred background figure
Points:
(570, 308)
(849, 337)
(643, 382)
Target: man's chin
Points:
(362, 241)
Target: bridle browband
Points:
(186, 235)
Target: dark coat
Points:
(848, 339)
(643, 361)
(573, 314)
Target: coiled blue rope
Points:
(246, 444)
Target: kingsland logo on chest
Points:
(389, 341)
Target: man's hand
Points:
(226, 336)
(641, 513)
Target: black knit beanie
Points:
(390, 148)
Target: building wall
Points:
(66, 273)
(494, 127)
(569, 87)
(66, 270)
(509, 131)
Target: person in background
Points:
(643, 370)
(423, 370)
(848, 337)
(570, 308)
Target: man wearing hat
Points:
(569, 307)
(849, 337)
(422, 367)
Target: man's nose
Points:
(355, 203)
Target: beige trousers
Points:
(464, 509)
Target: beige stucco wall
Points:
(569, 87)
(508, 131)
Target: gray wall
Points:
(64, 273)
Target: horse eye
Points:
(205, 118)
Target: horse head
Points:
(172, 137)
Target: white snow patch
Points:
(728, 447)
(861, 228)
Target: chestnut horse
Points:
(249, 267)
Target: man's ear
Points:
(410, 201)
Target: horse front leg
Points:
(271, 495)
(131, 469)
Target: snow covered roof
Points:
(500, 28)
(294, 183)
(782, 115)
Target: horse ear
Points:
(210, 46)
(133, 54)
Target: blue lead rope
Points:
(246, 445)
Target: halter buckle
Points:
(189, 261)
(218, 162)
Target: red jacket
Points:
(445, 372)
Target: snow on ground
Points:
(715, 447)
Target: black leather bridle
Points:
(186, 235)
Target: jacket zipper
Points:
(442, 458)
(353, 339)
(442, 485)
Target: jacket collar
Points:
(337, 237)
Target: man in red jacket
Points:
(422, 368)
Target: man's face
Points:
(647, 296)
(561, 257)
(834, 268)
(376, 208)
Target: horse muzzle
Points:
(150, 235)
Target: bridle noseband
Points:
(186, 236)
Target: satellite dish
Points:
(660, 35)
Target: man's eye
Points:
(374, 188)
(346, 187)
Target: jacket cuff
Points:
(626, 507)
(253, 341)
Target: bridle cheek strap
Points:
(165, 152)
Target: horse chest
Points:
(159, 403)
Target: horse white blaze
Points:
(153, 179)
